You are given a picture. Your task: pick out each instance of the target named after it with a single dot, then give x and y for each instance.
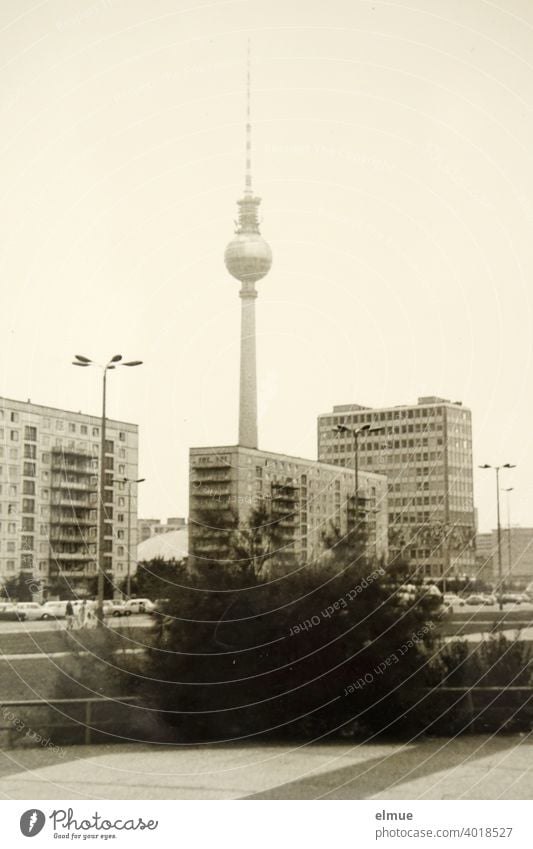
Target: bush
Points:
(312, 654)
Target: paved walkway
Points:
(473, 767)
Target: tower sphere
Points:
(248, 257)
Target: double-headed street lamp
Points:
(114, 362)
(497, 470)
(129, 482)
(356, 431)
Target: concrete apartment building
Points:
(147, 528)
(49, 467)
(425, 449)
(517, 555)
(304, 497)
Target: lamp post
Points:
(356, 431)
(509, 547)
(85, 362)
(128, 573)
(499, 531)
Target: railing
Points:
(85, 720)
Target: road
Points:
(136, 620)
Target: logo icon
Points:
(32, 822)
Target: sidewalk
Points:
(473, 767)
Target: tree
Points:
(156, 578)
(19, 588)
(311, 653)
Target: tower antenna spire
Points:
(248, 173)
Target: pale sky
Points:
(392, 150)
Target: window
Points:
(28, 524)
(60, 424)
(14, 435)
(10, 565)
(120, 517)
(120, 534)
(11, 545)
(29, 470)
(26, 561)
(12, 489)
(11, 509)
(13, 453)
(12, 528)
(121, 502)
(14, 417)
(71, 427)
(30, 433)
(28, 487)
(30, 452)
(83, 429)
(28, 505)
(122, 436)
(96, 431)
(120, 550)
(45, 493)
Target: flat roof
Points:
(220, 449)
(52, 410)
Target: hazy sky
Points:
(393, 153)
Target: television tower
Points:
(248, 258)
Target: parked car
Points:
(476, 600)
(139, 605)
(54, 609)
(114, 607)
(489, 600)
(32, 610)
(9, 613)
(512, 598)
(454, 600)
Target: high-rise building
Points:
(304, 498)
(516, 554)
(425, 449)
(49, 466)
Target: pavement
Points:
(468, 767)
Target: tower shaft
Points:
(248, 375)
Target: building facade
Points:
(305, 498)
(425, 450)
(49, 470)
(516, 554)
(147, 528)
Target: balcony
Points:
(77, 557)
(78, 539)
(64, 500)
(74, 484)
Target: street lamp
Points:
(128, 483)
(497, 470)
(355, 431)
(85, 362)
(509, 548)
